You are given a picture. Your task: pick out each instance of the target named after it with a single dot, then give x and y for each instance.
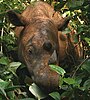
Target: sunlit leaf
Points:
(55, 95)
(15, 64)
(13, 67)
(1, 1)
(58, 69)
(69, 80)
(36, 91)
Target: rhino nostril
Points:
(47, 46)
(30, 52)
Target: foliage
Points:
(73, 85)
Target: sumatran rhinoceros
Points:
(37, 32)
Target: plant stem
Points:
(2, 32)
(80, 65)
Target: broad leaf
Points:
(15, 64)
(75, 3)
(55, 95)
(69, 80)
(11, 88)
(87, 40)
(60, 81)
(2, 91)
(77, 82)
(58, 69)
(86, 66)
(86, 84)
(13, 67)
(36, 91)
(4, 61)
(4, 84)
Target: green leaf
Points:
(60, 81)
(4, 61)
(36, 91)
(1, 98)
(82, 88)
(75, 3)
(86, 84)
(66, 94)
(1, 54)
(86, 66)
(77, 82)
(4, 84)
(13, 67)
(15, 64)
(10, 91)
(55, 95)
(11, 88)
(58, 69)
(65, 87)
(87, 40)
(11, 95)
(69, 80)
(2, 91)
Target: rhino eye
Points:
(30, 51)
(47, 46)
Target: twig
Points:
(2, 31)
(80, 65)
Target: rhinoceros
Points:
(37, 31)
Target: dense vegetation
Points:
(74, 87)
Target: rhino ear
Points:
(63, 23)
(60, 22)
(16, 19)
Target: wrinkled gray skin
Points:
(37, 29)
